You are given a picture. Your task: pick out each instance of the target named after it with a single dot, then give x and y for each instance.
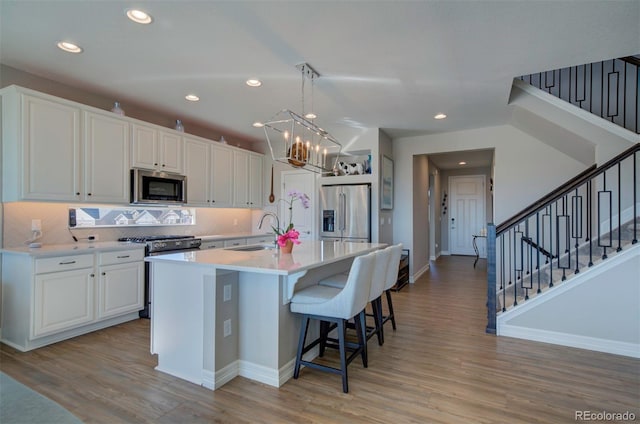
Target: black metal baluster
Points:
(551, 243)
(635, 201)
(602, 194)
(515, 269)
(619, 209)
(576, 231)
(502, 286)
(538, 253)
(590, 221)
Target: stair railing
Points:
(608, 89)
(574, 226)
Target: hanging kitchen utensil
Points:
(272, 198)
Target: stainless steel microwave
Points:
(158, 187)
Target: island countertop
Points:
(308, 254)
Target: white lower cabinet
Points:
(62, 300)
(235, 242)
(121, 283)
(49, 299)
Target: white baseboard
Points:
(445, 253)
(419, 273)
(572, 340)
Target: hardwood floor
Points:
(438, 367)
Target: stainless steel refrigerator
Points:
(346, 213)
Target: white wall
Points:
(597, 310)
(525, 170)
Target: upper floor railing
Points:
(608, 89)
(573, 227)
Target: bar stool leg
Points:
(391, 315)
(343, 355)
(378, 319)
(304, 326)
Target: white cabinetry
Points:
(49, 299)
(121, 283)
(208, 169)
(156, 148)
(247, 179)
(46, 157)
(235, 242)
(63, 293)
(197, 169)
(106, 158)
(41, 148)
(221, 176)
(212, 244)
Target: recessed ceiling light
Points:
(138, 16)
(462, 163)
(192, 97)
(69, 47)
(258, 124)
(254, 82)
(440, 116)
(311, 115)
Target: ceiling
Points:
(383, 64)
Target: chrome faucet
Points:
(277, 221)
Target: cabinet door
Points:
(240, 179)
(196, 166)
(211, 244)
(170, 152)
(221, 176)
(51, 136)
(106, 159)
(255, 180)
(62, 300)
(144, 152)
(120, 289)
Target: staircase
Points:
(608, 89)
(551, 244)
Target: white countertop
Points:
(309, 254)
(71, 249)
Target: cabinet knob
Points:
(77, 193)
(155, 164)
(213, 201)
(163, 165)
(88, 194)
(104, 273)
(92, 275)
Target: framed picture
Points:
(386, 185)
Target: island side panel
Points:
(259, 310)
(226, 344)
(177, 318)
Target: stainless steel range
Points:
(160, 245)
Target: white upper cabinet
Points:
(256, 179)
(247, 179)
(44, 161)
(106, 159)
(221, 176)
(196, 165)
(156, 149)
(58, 150)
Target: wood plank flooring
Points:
(438, 367)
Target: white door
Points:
(303, 219)
(467, 212)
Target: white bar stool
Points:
(337, 306)
(391, 279)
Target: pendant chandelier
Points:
(297, 141)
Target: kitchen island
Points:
(220, 313)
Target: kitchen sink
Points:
(251, 248)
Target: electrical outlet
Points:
(226, 296)
(227, 328)
(36, 225)
(235, 221)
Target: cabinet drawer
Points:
(63, 263)
(235, 242)
(121, 256)
(261, 240)
(211, 244)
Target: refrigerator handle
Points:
(344, 211)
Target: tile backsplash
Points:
(54, 216)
